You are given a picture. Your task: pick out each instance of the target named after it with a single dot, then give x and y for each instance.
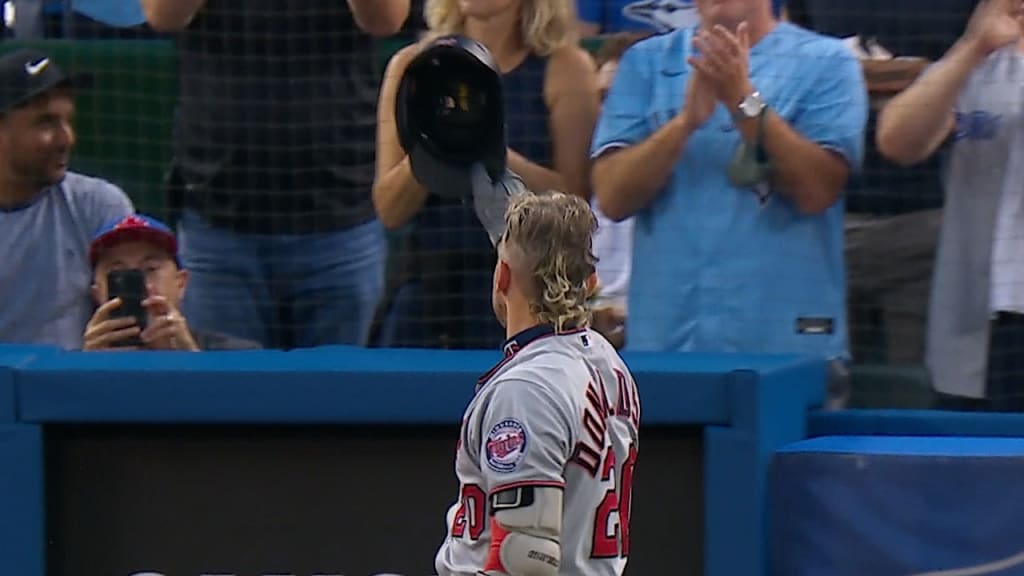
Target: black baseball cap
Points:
(27, 73)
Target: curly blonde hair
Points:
(546, 25)
(550, 236)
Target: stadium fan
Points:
(442, 297)
(138, 283)
(971, 96)
(47, 213)
(731, 144)
(613, 241)
(273, 166)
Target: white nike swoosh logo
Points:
(36, 68)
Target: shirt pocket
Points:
(667, 99)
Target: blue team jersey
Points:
(642, 15)
(124, 13)
(722, 269)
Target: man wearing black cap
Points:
(47, 213)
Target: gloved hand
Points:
(440, 179)
(491, 198)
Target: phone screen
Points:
(130, 286)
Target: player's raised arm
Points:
(526, 442)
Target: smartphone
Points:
(130, 286)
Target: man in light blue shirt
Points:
(751, 263)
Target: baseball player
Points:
(548, 445)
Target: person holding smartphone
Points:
(138, 284)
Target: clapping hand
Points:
(700, 101)
(722, 60)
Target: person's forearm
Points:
(398, 196)
(588, 29)
(914, 123)
(627, 180)
(170, 15)
(536, 177)
(380, 17)
(812, 177)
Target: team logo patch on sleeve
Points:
(506, 445)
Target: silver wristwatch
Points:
(751, 106)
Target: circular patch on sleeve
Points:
(506, 445)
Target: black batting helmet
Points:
(450, 114)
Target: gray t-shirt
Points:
(45, 278)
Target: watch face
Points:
(751, 106)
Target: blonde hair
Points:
(550, 237)
(546, 25)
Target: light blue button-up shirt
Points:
(123, 13)
(717, 268)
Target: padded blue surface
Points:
(8, 400)
(21, 500)
(12, 357)
(909, 446)
(747, 406)
(914, 423)
(853, 506)
(340, 384)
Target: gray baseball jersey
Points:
(560, 410)
(46, 276)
